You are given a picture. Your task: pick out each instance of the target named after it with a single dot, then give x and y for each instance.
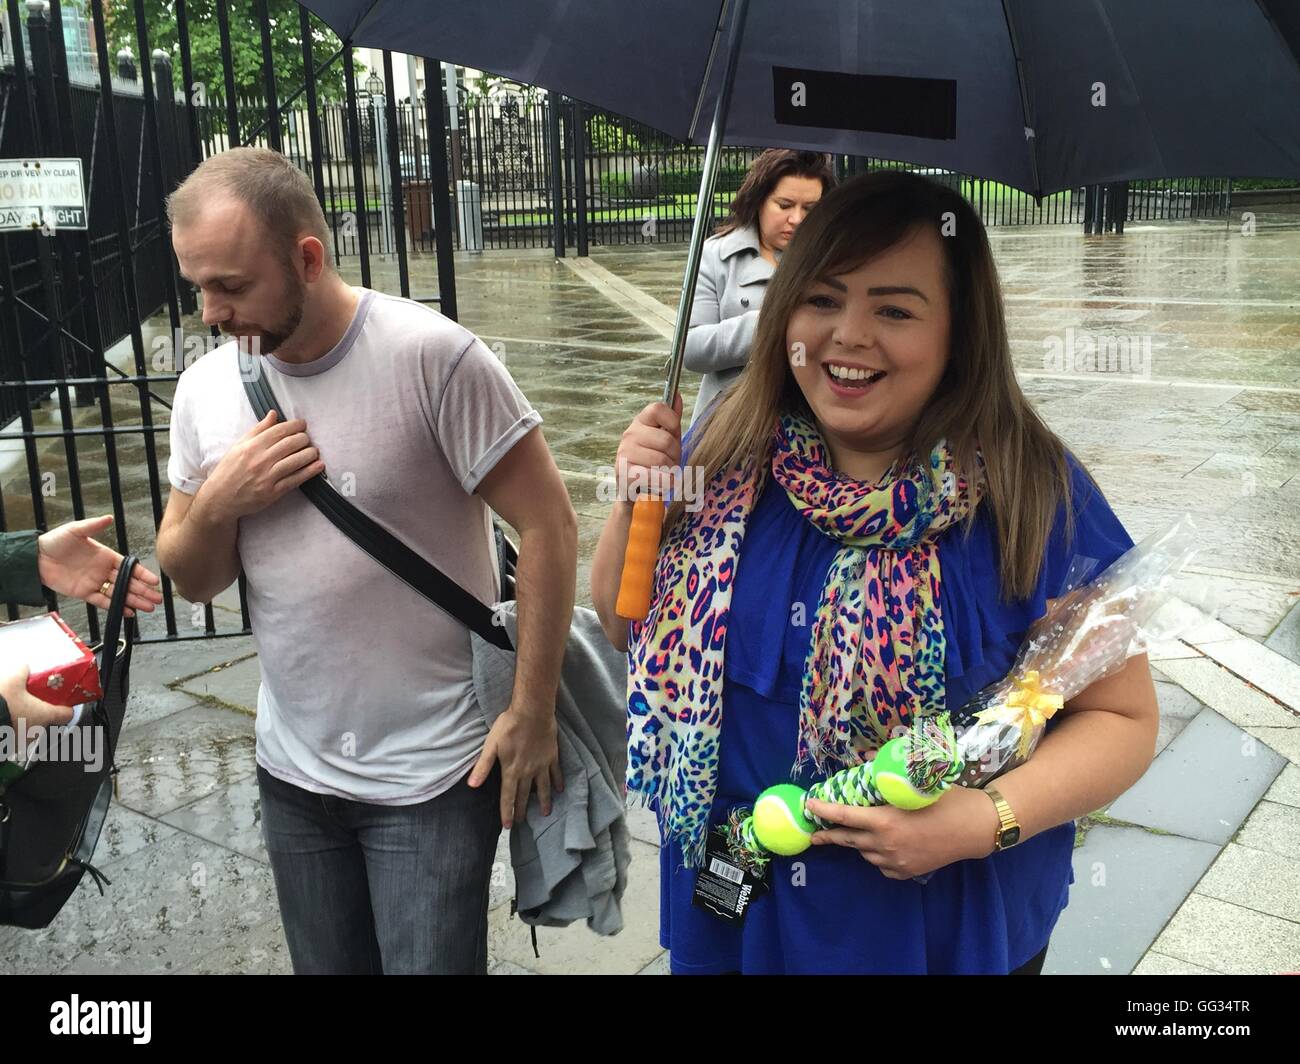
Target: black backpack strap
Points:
(389, 551)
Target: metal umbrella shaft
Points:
(637, 582)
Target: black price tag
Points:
(722, 887)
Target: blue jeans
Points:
(381, 889)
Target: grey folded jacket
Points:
(571, 865)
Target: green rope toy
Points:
(910, 772)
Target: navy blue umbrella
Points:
(1042, 95)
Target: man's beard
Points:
(270, 339)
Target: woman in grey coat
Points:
(779, 190)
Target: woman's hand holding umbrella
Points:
(652, 442)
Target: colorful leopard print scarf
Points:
(876, 655)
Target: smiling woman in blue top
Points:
(884, 516)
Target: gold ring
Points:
(104, 588)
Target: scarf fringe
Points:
(689, 837)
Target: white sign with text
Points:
(43, 194)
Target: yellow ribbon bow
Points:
(1028, 707)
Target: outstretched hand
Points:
(71, 562)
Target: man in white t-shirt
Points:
(383, 790)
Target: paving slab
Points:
(507, 968)
(150, 702)
(1274, 828)
(183, 758)
(1264, 669)
(1127, 884)
(1286, 788)
(1204, 784)
(661, 965)
(1226, 693)
(168, 905)
(126, 832)
(1158, 964)
(232, 685)
(643, 825)
(166, 663)
(1231, 939)
(1285, 638)
(1177, 710)
(262, 951)
(1258, 879)
(230, 817)
(1284, 741)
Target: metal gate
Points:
(84, 392)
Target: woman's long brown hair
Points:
(978, 404)
(765, 173)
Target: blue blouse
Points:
(828, 910)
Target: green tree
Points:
(245, 45)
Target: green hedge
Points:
(673, 182)
(1180, 184)
(1265, 182)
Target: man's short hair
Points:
(277, 192)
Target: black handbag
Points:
(52, 815)
(394, 555)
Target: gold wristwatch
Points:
(1009, 828)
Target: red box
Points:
(63, 669)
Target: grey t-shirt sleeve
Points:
(184, 466)
(481, 414)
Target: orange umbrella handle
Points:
(639, 559)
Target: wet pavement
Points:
(1169, 361)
